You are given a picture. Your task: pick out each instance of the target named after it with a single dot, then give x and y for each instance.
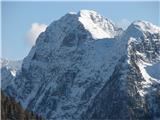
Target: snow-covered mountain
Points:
(9, 69)
(85, 67)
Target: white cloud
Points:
(34, 31)
(123, 23)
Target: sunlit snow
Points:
(96, 24)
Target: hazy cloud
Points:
(124, 23)
(34, 31)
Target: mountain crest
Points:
(97, 25)
(146, 26)
(143, 28)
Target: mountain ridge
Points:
(71, 72)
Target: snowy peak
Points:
(10, 64)
(88, 13)
(140, 28)
(97, 25)
(73, 29)
(146, 26)
(9, 70)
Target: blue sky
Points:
(18, 18)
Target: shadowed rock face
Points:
(119, 98)
(69, 40)
(71, 74)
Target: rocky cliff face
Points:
(75, 72)
(130, 92)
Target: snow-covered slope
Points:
(85, 67)
(97, 25)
